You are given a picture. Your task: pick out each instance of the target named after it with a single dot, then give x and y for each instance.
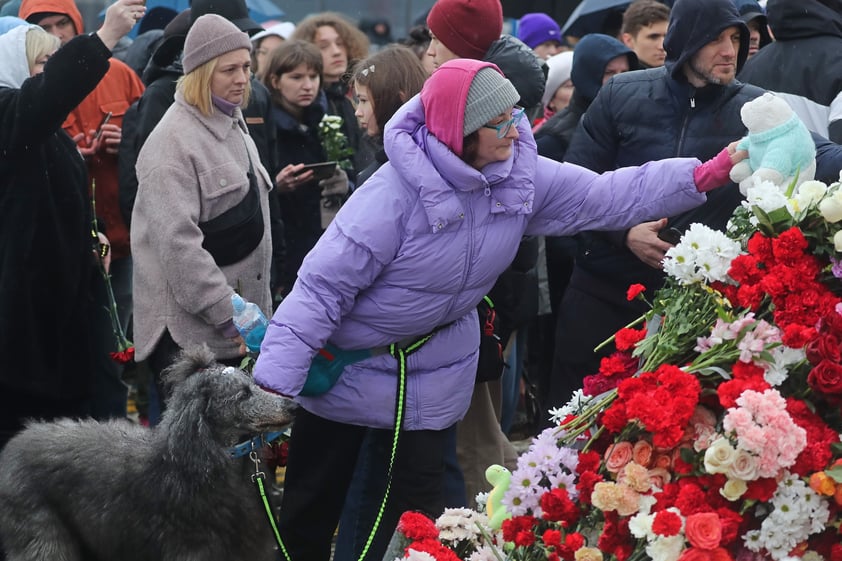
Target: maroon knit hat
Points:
(466, 27)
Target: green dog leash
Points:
(400, 355)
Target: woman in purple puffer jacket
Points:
(415, 249)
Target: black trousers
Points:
(322, 458)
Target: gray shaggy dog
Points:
(73, 490)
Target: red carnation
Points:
(552, 538)
(666, 523)
(588, 461)
(432, 546)
(761, 489)
(123, 357)
(730, 522)
(417, 526)
(789, 246)
(515, 525)
(585, 485)
(558, 507)
(760, 246)
(634, 291)
(626, 338)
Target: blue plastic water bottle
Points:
(249, 321)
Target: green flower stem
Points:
(489, 541)
(119, 334)
(611, 339)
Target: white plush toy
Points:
(779, 145)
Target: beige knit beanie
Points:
(209, 37)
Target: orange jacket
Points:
(118, 89)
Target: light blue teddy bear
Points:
(779, 145)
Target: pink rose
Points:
(658, 477)
(703, 530)
(617, 456)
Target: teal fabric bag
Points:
(327, 366)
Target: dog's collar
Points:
(259, 441)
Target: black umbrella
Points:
(595, 16)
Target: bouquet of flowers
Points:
(334, 141)
(713, 431)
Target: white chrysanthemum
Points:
(704, 254)
(680, 263)
(460, 524)
(766, 196)
(797, 512)
(481, 500)
(577, 402)
(666, 548)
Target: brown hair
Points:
(286, 58)
(470, 147)
(418, 39)
(642, 13)
(392, 75)
(355, 40)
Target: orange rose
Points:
(837, 496)
(642, 453)
(703, 530)
(664, 461)
(822, 484)
(617, 456)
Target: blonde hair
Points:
(39, 43)
(195, 87)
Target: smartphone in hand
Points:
(102, 123)
(321, 170)
(670, 235)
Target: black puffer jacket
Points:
(654, 114)
(526, 72)
(803, 63)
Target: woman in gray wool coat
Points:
(200, 225)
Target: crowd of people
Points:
(143, 184)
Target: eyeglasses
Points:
(504, 127)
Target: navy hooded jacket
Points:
(654, 114)
(593, 53)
